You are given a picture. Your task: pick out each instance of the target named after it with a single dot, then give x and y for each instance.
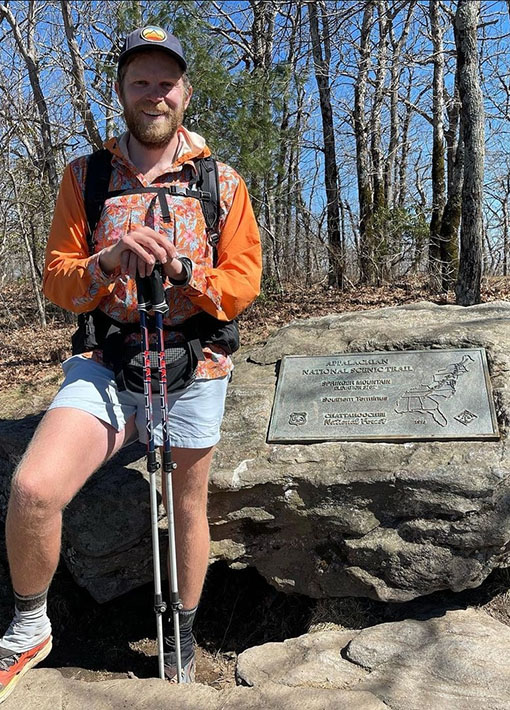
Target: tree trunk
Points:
(395, 76)
(80, 97)
(284, 188)
(379, 207)
(505, 184)
(406, 145)
(261, 49)
(449, 233)
(472, 112)
(322, 65)
(27, 51)
(362, 155)
(375, 121)
(36, 285)
(261, 52)
(438, 178)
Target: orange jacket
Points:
(73, 278)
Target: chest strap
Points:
(162, 192)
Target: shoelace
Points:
(7, 661)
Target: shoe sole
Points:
(39, 656)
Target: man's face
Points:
(153, 98)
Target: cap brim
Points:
(143, 48)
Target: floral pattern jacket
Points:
(74, 280)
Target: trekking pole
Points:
(160, 308)
(143, 287)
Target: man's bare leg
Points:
(66, 449)
(68, 446)
(190, 483)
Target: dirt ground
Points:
(239, 609)
(118, 639)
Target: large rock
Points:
(388, 521)
(456, 660)
(453, 661)
(45, 689)
(391, 521)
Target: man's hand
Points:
(138, 251)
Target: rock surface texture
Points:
(391, 521)
(457, 661)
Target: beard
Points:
(153, 133)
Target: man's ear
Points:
(118, 92)
(189, 94)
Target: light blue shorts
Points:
(194, 413)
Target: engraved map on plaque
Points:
(390, 396)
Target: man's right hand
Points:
(137, 252)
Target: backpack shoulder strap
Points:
(208, 182)
(97, 181)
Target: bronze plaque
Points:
(391, 396)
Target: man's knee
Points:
(191, 506)
(32, 491)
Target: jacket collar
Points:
(190, 146)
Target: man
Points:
(90, 419)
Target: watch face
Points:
(153, 34)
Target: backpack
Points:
(97, 330)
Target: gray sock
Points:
(30, 601)
(186, 619)
(30, 625)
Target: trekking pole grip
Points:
(143, 293)
(159, 303)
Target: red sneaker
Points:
(13, 665)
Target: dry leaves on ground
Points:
(31, 354)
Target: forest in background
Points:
(372, 134)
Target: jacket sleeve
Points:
(227, 289)
(72, 278)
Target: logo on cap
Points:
(153, 34)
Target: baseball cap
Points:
(152, 37)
